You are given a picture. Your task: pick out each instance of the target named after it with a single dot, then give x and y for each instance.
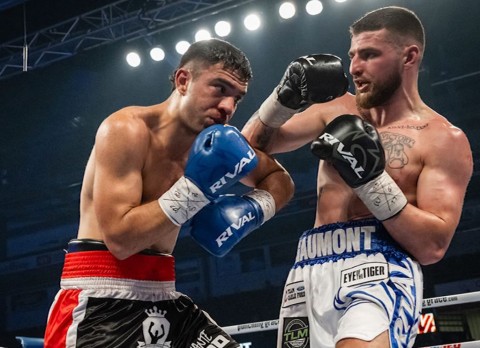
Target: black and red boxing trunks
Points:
(106, 302)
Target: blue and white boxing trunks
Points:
(350, 280)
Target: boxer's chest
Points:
(404, 146)
(159, 174)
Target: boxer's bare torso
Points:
(140, 152)
(409, 142)
(153, 172)
(422, 150)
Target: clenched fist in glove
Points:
(316, 78)
(220, 156)
(354, 148)
(225, 222)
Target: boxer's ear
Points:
(411, 55)
(182, 78)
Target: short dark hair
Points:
(215, 51)
(397, 20)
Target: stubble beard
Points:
(380, 92)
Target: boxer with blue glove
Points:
(150, 171)
(222, 224)
(220, 157)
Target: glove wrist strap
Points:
(382, 196)
(265, 201)
(272, 113)
(182, 201)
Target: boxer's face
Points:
(376, 68)
(211, 94)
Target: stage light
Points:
(157, 54)
(133, 59)
(222, 28)
(202, 34)
(287, 10)
(314, 7)
(182, 46)
(252, 22)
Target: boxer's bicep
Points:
(118, 179)
(443, 181)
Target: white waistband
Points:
(113, 284)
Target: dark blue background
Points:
(48, 119)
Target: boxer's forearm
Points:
(258, 134)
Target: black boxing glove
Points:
(316, 78)
(354, 148)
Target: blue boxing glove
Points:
(222, 224)
(220, 156)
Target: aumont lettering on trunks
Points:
(335, 242)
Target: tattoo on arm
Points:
(265, 136)
(264, 139)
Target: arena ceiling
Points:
(48, 31)
(49, 116)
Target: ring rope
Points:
(469, 344)
(268, 325)
(450, 300)
(265, 325)
(441, 301)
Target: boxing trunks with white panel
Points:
(105, 302)
(350, 280)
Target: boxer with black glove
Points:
(354, 148)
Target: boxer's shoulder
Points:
(125, 126)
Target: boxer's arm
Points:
(292, 135)
(308, 80)
(222, 224)
(219, 157)
(426, 228)
(127, 225)
(272, 177)
(299, 130)
(354, 148)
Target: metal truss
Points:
(124, 19)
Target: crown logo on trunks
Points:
(155, 312)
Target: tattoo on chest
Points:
(409, 126)
(396, 146)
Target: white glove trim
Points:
(272, 113)
(382, 196)
(182, 201)
(265, 201)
